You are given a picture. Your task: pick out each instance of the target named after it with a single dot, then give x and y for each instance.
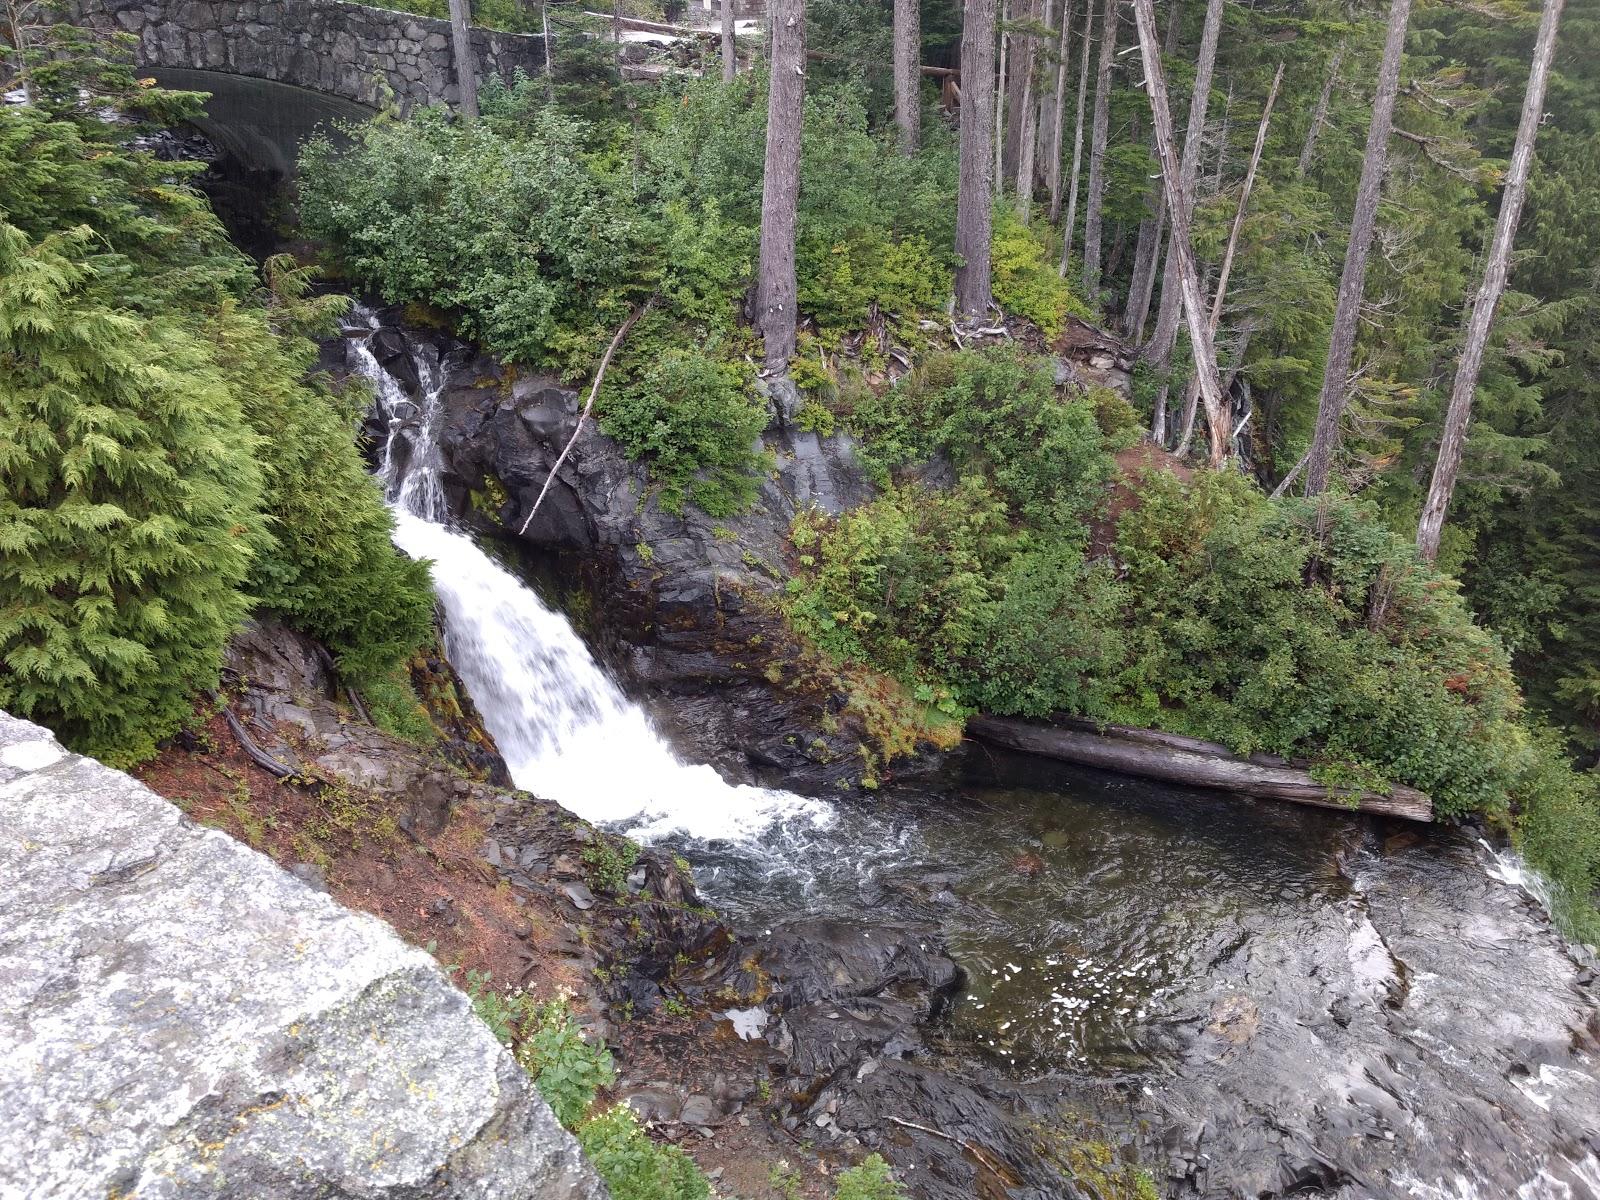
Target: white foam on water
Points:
(565, 730)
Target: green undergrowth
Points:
(571, 1072)
(1306, 629)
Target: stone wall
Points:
(369, 55)
(180, 1017)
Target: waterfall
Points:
(565, 730)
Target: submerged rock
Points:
(180, 1017)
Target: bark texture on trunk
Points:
(1093, 213)
(1053, 159)
(1319, 115)
(730, 52)
(1495, 271)
(1151, 754)
(974, 199)
(1027, 137)
(1144, 284)
(1180, 248)
(466, 65)
(1165, 337)
(1352, 280)
(1137, 310)
(780, 188)
(1019, 86)
(1192, 393)
(907, 72)
(1002, 81)
(1068, 225)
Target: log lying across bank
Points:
(1151, 754)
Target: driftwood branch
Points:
(594, 390)
(1175, 759)
(257, 755)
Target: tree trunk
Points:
(907, 73)
(1165, 337)
(1151, 754)
(974, 202)
(1495, 270)
(780, 189)
(1026, 136)
(1137, 309)
(616, 32)
(1067, 226)
(1193, 391)
(549, 54)
(1019, 86)
(730, 51)
(997, 179)
(1347, 311)
(1053, 158)
(1093, 210)
(1046, 95)
(1180, 249)
(466, 67)
(1144, 284)
(1319, 115)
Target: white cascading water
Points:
(565, 730)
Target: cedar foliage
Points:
(129, 506)
(166, 462)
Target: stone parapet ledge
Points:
(180, 1017)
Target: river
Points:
(1264, 1000)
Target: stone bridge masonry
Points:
(371, 56)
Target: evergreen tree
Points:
(129, 506)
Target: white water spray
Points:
(565, 730)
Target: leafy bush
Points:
(1308, 628)
(994, 413)
(1053, 642)
(905, 583)
(695, 422)
(633, 1166)
(129, 506)
(568, 1069)
(1024, 277)
(871, 1180)
(515, 236)
(331, 569)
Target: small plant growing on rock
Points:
(634, 1167)
(609, 862)
(872, 1180)
(568, 1069)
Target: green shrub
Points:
(695, 422)
(633, 1166)
(568, 1069)
(1309, 629)
(1052, 642)
(1024, 277)
(872, 1180)
(129, 505)
(331, 570)
(995, 413)
(515, 236)
(905, 583)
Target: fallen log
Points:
(1172, 758)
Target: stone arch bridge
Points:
(369, 56)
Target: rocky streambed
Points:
(1013, 979)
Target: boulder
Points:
(180, 1017)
